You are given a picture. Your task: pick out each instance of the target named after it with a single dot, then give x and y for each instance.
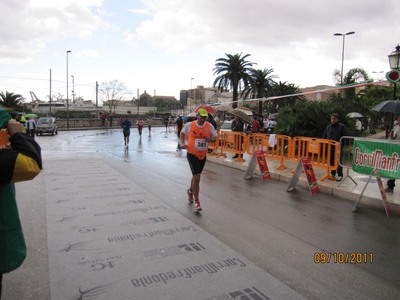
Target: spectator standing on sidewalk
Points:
(19, 161)
(335, 131)
(219, 121)
(103, 119)
(198, 134)
(211, 120)
(255, 125)
(238, 126)
(395, 136)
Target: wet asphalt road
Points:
(283, 233)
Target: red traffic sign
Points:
(393, 76)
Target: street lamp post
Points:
(343, 35)
(69, 51)
(393, 77)
(377, 74)
(73, 91)
(394, 62)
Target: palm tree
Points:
(310, 118)
(11, 100)
(355, 75)
(261, 84)
(282, 89)
(232, 73)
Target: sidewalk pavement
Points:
(347, 189)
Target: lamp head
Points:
(343, 34)
(394, 58)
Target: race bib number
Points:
(200, 145)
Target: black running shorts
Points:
(196, 164)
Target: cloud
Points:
(139, 11)
(32, 24)
(88, 53)
(178, 25)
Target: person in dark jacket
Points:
(212, 121)
(238, 126)
(179, 125)
(20, 160)
(335, 131)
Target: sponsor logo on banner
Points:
(309, 171)
(262, 164)
(382, 156)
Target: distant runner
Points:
(126, 130)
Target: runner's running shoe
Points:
(197, 207)
(190, 195)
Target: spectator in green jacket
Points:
(20, 160)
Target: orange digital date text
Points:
(343, 257)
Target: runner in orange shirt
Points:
(198, 134)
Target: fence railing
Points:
(323, 153)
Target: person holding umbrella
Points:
(395, 136)
(198, 134)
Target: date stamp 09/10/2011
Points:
(343, 257)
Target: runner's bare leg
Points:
(195, 186)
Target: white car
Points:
(46, 125)
(226, 126)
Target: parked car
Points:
(46, 125)
(226, 126)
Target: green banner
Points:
(371, 154)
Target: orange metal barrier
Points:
(319, 151)
(233, 142)
(213, 146)
(279, 147)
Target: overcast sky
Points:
(159, 45)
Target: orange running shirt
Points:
(197, 144)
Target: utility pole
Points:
(97, 95)
(50, 95)
(138, 101)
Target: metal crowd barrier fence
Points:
(232, 142)
(213, 146)
(274, 146)
(323, 153)
(346, 156)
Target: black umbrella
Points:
(389, 106)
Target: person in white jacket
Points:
(30, 126)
